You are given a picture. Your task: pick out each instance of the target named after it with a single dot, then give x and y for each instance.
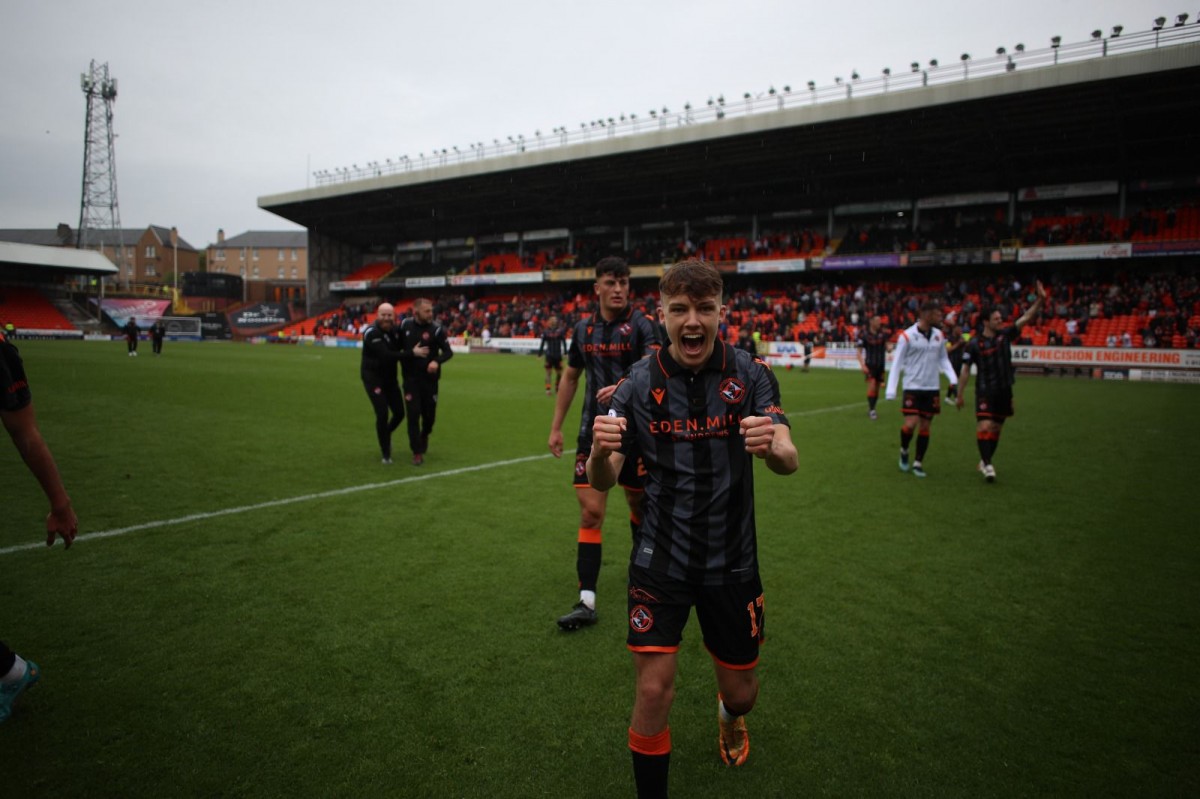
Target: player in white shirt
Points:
(920, 354)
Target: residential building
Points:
(274, 263)
(142, 255)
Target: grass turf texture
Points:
(925, 637)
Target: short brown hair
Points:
(693, 277)
(931, 304)
(612, 265)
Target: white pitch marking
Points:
(337, 492)
(275, 503)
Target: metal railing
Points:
(717, 109)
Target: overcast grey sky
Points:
(224, 101)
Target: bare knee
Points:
(591, 508)
(656, 694)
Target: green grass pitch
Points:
(1038, 636)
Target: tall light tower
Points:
(98, 208)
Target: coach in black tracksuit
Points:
(426, 349)
(381, 352)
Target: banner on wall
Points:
(263, 314)
(146, 312)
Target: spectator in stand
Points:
(1126, 339)
(1111, 341)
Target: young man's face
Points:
(613, 293)
(931, 318)
(423, 312)
(995, 322)
(691, 324)
(875, 324)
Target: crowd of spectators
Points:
(1159, 309)
(937, 229)
(349, 319)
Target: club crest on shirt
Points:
(641, 619)
(732, 390)
(625, 329)
(658, 394)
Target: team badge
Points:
(732, 390)
(377, 390)
(425, 336)
(625, 329)
(983, 406)
(580, 465)
(408, 396)
(641, 619)
(658, 394)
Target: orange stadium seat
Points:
(27, 308)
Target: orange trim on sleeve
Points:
(659, 744)
(589, 535)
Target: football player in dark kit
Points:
(17, 416)
(554, 337)
(872, 356)
(131, 337)
(426, 349)
(157, 334)
(381, 352)
(603, 347)
(991, 353)
(699, 412)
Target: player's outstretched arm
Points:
(1034, 309)
(771, 442)
(22, 428)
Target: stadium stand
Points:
(1159, 310)
(26, 308)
